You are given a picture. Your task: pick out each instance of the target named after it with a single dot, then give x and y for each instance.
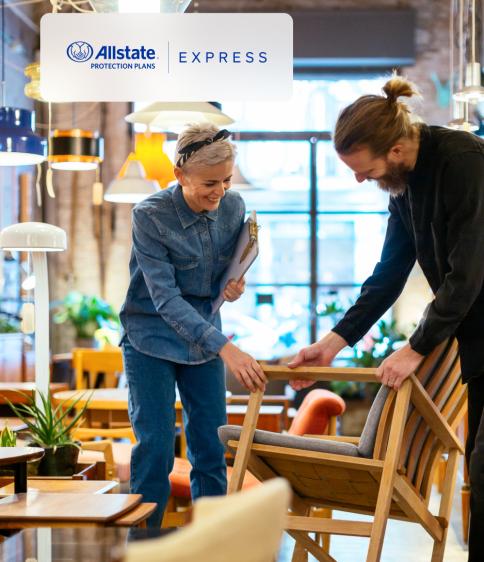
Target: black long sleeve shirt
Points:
(438, 221)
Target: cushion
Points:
(228, 432)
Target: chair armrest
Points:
(106, 447)
(340, 438)
(278, 372)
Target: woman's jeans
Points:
(151, 384)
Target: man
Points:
(435, 178)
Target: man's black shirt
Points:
(438, 221)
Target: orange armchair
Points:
(317, 413)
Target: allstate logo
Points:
(80, 51)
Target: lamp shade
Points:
(76, 149)
(172, 116)
(33, 237)
(19, 145)
(133, 187)
(156, 164)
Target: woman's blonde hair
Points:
(376, 122)
(208, 155)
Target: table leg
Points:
(20, 470)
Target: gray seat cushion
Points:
(228, 432)
(364, 449)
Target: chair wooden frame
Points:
(396, 483)
(96, 361)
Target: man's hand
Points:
(399, 366)
(234, 290)
(319, 354)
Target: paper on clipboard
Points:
(246, 251)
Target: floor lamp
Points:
(37, 238)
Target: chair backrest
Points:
(97, 367)
(244, 526)
(439, 374)
(313, 416)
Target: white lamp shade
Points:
(33, 237)
(172, 116)
(133, 187)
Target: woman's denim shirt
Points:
(176, 264)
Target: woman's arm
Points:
(159, 275)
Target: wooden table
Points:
(15, 458)
(72, 544)
(39, 509)
(60, 485)
(10, 390)
(13, 423)
(109, 408)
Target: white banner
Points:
(166, 57)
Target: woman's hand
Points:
(244, 367)
(234, 290)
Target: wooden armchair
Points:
(387, 474)
(97, 367)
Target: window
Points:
(321, 232)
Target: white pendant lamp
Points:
(173, 116)
(133, 187)
(473, 90)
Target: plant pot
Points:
(59, 461)
(86, 342)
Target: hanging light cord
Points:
(473, 32)
(4, 97)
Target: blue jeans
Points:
(151, 383)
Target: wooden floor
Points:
(403, 541)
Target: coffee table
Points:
(16, 458)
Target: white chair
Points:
(242, 527)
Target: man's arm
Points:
(378, 293)
(384, 286)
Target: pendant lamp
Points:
(19, 145)
(76, 149)
(473, 90)
(173, 116)
(133, 187)
(156, 164)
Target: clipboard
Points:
(246, 251)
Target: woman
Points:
(183, 239)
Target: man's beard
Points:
(395, 180)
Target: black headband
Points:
(190, 149)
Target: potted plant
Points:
(51, 428)
(86, 314)
(7, 437)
